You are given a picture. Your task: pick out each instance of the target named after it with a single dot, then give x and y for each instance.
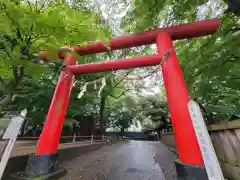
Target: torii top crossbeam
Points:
(182, 31)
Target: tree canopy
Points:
(29, 27)
(210, 64)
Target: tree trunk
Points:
(74, 129)
(101, 112)
(122, 131)
(5, 101)
(12, 86)
(24, 128)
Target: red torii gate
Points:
(177, 95)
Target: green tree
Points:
(123, 113)
(209, 64)
(154, 13)
(27, 27)
(154, 112)
(214, 62)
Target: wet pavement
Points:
(132, 160)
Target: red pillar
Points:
(177, 96)
(49, 139)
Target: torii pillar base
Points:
(44, 167)
(190, 172)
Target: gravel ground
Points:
(133, 160)
(166, 159)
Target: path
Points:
(133, 160)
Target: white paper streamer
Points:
(102, 86)
(84, 88)
(95, 85)
(74, 83)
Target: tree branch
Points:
(38, 11)
(124, 93)
(2, 81)
(17, 28)
(120, 94)
(121, 80)
(17, 75)
(29, 4)
(42, 44)
(12, 85)
(14, 70)
(30, 35)
(6, 100)
(7, 53)
(21, 72)
(34, 39)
